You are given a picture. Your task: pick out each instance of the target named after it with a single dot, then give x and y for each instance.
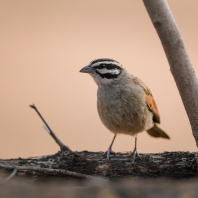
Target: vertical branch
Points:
(180, 64)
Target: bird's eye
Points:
(102, 66)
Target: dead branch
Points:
(11, 175)
(180, 64)
(48, 129)
(83, 164)
(43, 170)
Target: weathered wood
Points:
(167, 164)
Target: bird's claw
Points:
(134, 154)
(108, 152)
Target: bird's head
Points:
(103, 70)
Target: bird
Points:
(125, 104)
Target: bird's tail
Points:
(155, 131)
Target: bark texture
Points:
(167, 164)
(180, 64)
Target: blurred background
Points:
(44, 44)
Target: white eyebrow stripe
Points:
(107, 71)
(107, 62)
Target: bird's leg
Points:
(135, 152)
(109, 150)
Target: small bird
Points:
(125, 104)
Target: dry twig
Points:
(46, 126)
(45, 170)
(12, 174)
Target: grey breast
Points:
(122, 108)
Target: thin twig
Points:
(12, 174)
(46, 170)
(62, 146)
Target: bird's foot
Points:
(108, 152)
(134, 154)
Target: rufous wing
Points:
(155, 131)
(149, 100)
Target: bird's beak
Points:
(86, 69)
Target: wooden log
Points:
(95, 164)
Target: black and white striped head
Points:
(103, 70)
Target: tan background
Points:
(44, 44)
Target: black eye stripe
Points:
(107, 66)
(102, 66)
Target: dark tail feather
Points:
(155, 131)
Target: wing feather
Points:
(149, 100)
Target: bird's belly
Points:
(128, 119)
